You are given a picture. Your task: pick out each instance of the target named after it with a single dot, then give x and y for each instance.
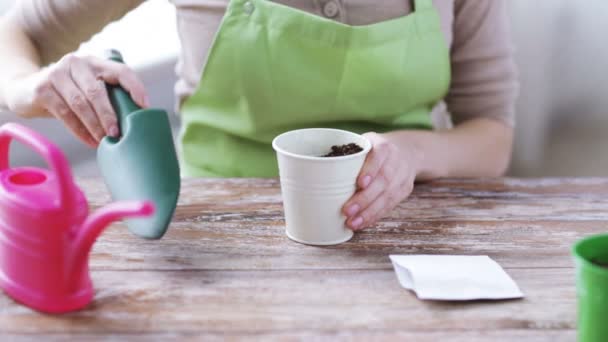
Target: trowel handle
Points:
(121, 101)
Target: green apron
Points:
(273, 68)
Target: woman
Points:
(251, 69)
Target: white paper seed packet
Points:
(454, 277)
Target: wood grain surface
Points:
(225, 269)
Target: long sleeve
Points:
(484, 75)
(59, 26)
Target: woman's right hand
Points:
(73, 90)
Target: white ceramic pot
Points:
(315, 188)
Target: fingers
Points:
(55, 105)
(384, 203)
(368, 204)
(376, 174)
(363, 198)
(78, 105)
(73, 90)
(118, 73)
(374, 160)
(96, 94)
(63, 84)
(370, 215)
(385, 179)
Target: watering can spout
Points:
(95, 224)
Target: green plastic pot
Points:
(592, 288)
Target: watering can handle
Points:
(41, 145)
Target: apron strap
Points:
(422, 4)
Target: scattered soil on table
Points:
(603, 262)
(344, 150)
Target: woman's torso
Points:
(484, 76)
(199, 20)
(273, 68)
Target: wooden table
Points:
(226, 270)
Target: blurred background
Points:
(561, 113)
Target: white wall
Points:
(5, 4)
(563, 60)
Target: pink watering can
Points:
(46, 231)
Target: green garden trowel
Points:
(141, 164)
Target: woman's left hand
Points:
(386, 178)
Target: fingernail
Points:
(352, 210)
(146, 101)
(356, 223)
(114, 131)
(366, 180)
